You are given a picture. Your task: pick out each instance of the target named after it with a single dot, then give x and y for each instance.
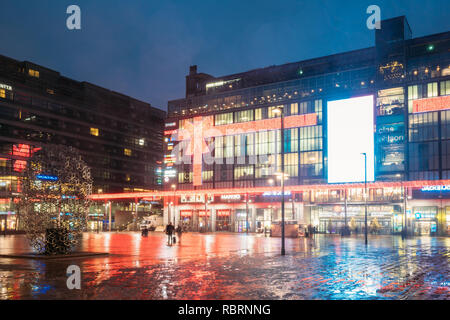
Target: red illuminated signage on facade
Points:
(223, 212)
(260, 190)
(24, 151)
(204, 213)
(431, 104)
(186, 213)
(170, 132)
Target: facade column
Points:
(253, 219)
(299, 213)
(213, 219)
(166, 212)
(110, 216)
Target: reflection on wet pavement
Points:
(235, 266)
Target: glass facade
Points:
(411, 111)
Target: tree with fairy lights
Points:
(54, 202)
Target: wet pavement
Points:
(235, 266)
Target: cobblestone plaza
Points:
(235, 266)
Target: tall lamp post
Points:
(365, 197)
(404, 220)
(246, 212)
(280, 110)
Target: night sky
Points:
(144, 48)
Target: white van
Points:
(151, 222)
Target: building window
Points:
(310, 138)
(243, 116)
(185, 177)
(272, 113)
(318, 110)
(94, 132)
(432, 89)
(243, 173)
(228, 147)
(33, 73)
(127, 152)
(223, 118)
(423, 126)
(2, 93)
(414, 92)
(445, 88)
(294, 108)
(207, 175)
(258, 114)
(305, 107)
(311, 164)
(291, 140)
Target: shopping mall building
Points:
(380, 114)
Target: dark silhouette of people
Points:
(169, 231)
(179, 231)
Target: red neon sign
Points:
(204, 213)
(431, 104)
(24, 151)
(223, 212)
(170, 132)
(186, 213)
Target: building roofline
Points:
(82, 84)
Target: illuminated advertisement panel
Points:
(350, 133)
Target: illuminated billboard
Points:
(350, 133)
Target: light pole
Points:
(345, 233)
(280, 110)
(246, 212)
(404, 221)
(365, 197)
(271, 183)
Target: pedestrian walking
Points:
(169, 231)
(179, 231)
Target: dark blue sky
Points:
(143, 48)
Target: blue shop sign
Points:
(443, 188)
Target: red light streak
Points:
(260, 190)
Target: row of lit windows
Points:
(278, 92)
(264, 113)
(137, 141)
(258, 143)
(33, 73)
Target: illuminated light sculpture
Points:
(198, 129)
(431, 104)
(55, 199)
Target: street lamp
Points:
(246, 212)
(280, 110)
(365, 197)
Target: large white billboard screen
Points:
(350, 133)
